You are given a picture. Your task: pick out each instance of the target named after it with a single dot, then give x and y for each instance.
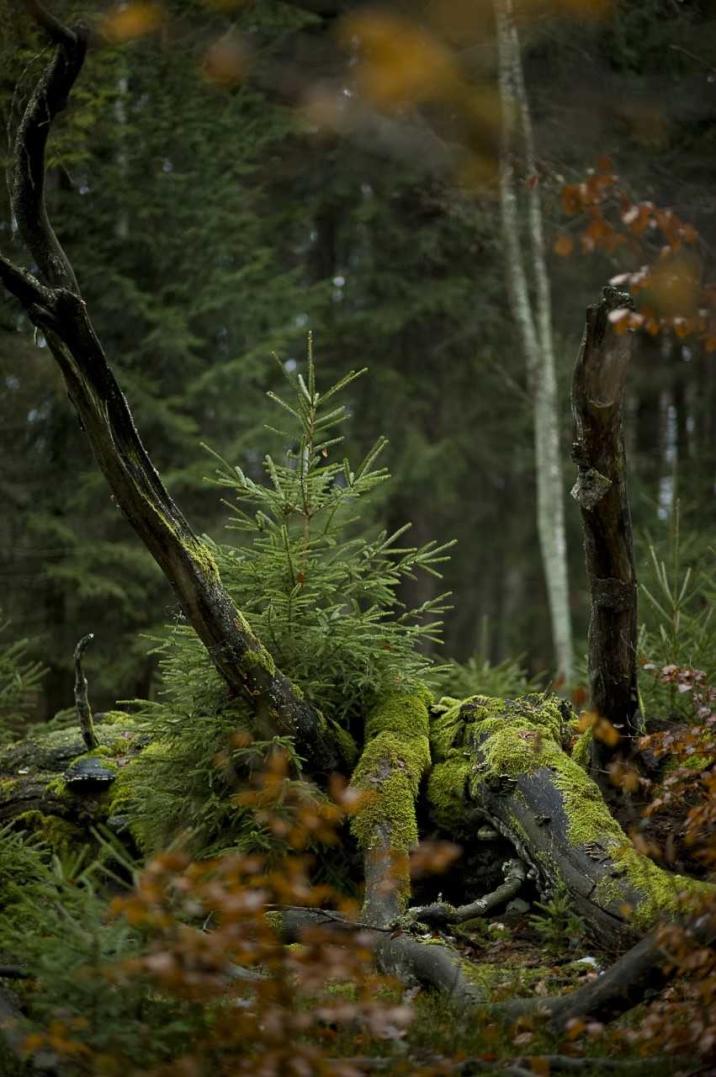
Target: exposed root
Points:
(442, 914)
(395, 757)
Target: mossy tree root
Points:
(428, 963)
(507, 759)
(645, 967)
(395, 757)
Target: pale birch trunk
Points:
(534, 320)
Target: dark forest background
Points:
(214, 219)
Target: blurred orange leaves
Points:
(602, 729)
(225, 62)
(126, 22)
(669, 282)
(400, 63)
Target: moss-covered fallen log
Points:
(52, 786)
(507, 759)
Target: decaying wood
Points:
(430, 964)
(82, 703)
(55, 305)
(441, 914)
(601, 492)
(506, 758)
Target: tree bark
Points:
(601, 493)
(57, 308)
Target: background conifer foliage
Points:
(363, 771)
(221, 194)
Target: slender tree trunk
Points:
(534, 321)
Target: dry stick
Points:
(82, 703)
(601, 493)
(441, 914)
(60, 312)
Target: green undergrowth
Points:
(320, 587)
(441, 1030)
(181, 788)
(54, 921)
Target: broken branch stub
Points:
(82, 703)
(598, 387)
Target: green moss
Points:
(58, 833)
(658, 892)
(112, 718)
(689, 762)
(589, 818)
(126, 792)
(389, 771)
(511, 750)
(56, 787)
(423, 693)
(460, 722)
(406, 716)
(258, 661)
(53, 750)
(444, 731)
(204, 558)
(7, 787)
(582, 749)
(347, 746)
(453, 718)
(446, 791)
(548, 712)
(394, 759)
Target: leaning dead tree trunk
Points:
(601, 493)
(56, 307)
